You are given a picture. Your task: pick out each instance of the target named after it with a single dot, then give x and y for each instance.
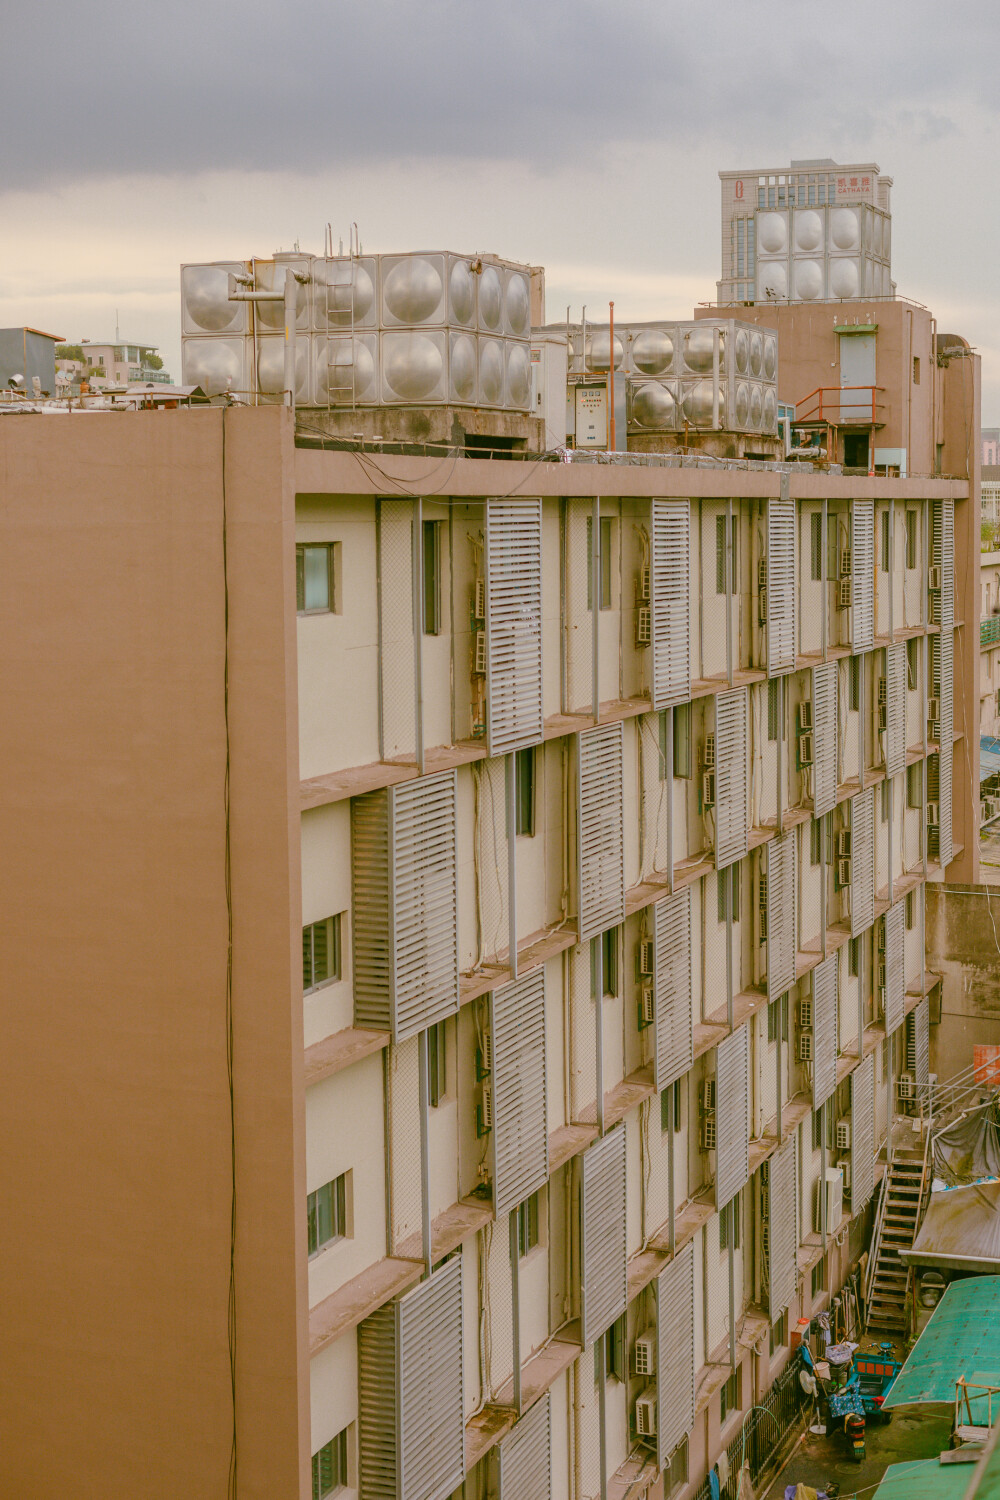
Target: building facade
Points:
(603, 800)
(121, 364)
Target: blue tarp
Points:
(989, 756)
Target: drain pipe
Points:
(241, 289)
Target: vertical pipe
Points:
(824, 1226)
(602, 1410)
(825, 834)
(418, 631)
(612, 435)
(291, 318)
(381, 653)
(701, 590)
(425, 1154)
(780, 682)
(891, 791)
(824, 585)
(861, 999)
(862, 721)
(597, 952)
(667, 772)
(730, 1211)
(715, 379)
(595, 621)
(515, 1299)
(510, 768)
(779, 1018)
(727, 876)
(728, 558)
(671, 1171)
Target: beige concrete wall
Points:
(117, 1178)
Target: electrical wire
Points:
(228, 868)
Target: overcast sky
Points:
(582, 135)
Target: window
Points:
(524, 789)
(912, 663)
(682, 740)
(326, 1213)
(609, 962)
(911, 539)
(320, 953)
(437, 1057)
(816, 544)
(722, 880)
(816, 841)
(818, 1279)
(432, 577)
(772, 1022)
(675, 1474)
(855, 684)
(817, 1129)
(854, 957)
(916, 369)
(911, 911)
(915, 784)
(329, 1467)
(779, 1333)
(720, 556)
(772, 709)
(729, 1396)
(735, 1208)
(527, 1225)
(614, 1352)
(604, 561)
(314, 578)
(670, 1107)
(885, 541)
(886, 794)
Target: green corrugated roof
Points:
(928, 1479)
(961, 1339)
(985, 1483)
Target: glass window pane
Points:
(606, 562)
(307, 966)
(317, 577)
(772, 709)
(682, 740)
(324, 1213)
(321, 951)
(311, 1223)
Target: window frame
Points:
(529, 1219)
(604, 569)
(854, 684)
(816, 546)
(437, 1058)
(335, 952)
(336, 1195)
(331, 605)
(911, 538)
(913, 663)
(525, 779)
(433, 612)
(683, 766)
(337, 1447)
(729, 1397)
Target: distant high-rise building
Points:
(813, 231)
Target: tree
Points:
(153, 361)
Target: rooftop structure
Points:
(27, 359)
(962, 1340)
(121, 363)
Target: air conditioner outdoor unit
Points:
(762, 606)
(708, 789)
(708, 1133)
(834, 1188)
(806, 1013)
(934, 577)
(642, 587)
(842, 1134)
(881, 999)
(883, 690)
(883, 718)
(907, 1085)
(484, 1113)
(708, 1095)
(844, 844)
(881, 976)
(845, 1167)
(805, 750)
(934, 708)
(644, 1354)
(762, 572)
(643, 625)
(480, 605)
(480, 667)
(880, 929)
(843, 872)
(646, 956)
(845, 562)
(805, 1046)
(844, 593)
(645, 1414)
(708, 758)
(804, 714)
(647, 1008)
(933, 814)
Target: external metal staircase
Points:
(889, 1280)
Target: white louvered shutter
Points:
(732, 1104)
(520, 1131)
(862, 1133)
(513, 624)
(942, 668)
(524, 1456)
(895, 737)
(672, 1001)
(603, 1279)
(825, 736)
(675, 1389)
(731, 820)
(404, 916)
(825, 1000)
(600, 859)
(863, 573)
(410, 1393)
(943, 555)
(919, 1021)
(895, 976)
(670, 601)
(780, 584)
(781, 1234)
(862, 861)
(782, 887)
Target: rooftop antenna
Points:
(118, 336)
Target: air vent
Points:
(933, 814)
(843, 873)
(708, 1095)
(708, 789)
(844, 594)
(934, 578)
(642, 587)
(484, 1113)
(805, 1046)
(845, 562)
(844, 844)
(883, 690)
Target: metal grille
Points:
(732, 1096)
(524, 1456)
(895, 735)
(404, 906)
(602, 1213)
(781, 926)
(781, 1231)
(395, 605)
(920, 1023)
(862, 861)
(942, 665)
(670, 601)
(403, 1101)
(672, 1000)
(825, 1001)
(410, 1395)
(943, 544)
(780, 585)
(520, 1135)
(862, 1134)
(578, 626)
(863, 573)
(601, 874)
(730, 777)
(675, 1390)
(825, 735)
(895, 967)
(513, 624)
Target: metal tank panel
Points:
(770, 357)
(217, 365)
(845, 229)
(772, 278)
(461, 293)
(490, 299)
(653, 406)
(491, 372)
(653, 351)
(517, 304)
(741, 405)
(336, 285)
(845, 277)
(699, 348)
(518, 384)
(769, 412)
(462, 374)
(598, 350)
(271, 367)
(697, 403)
(807, 279)
(808, 231)
(413, 366)
(346, 369)
(756, 353)
(772, 233)
(741, 351)
(205, 304)
(756, 408)
(413, 289)
(269, 276)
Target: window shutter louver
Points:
(825, 1000)
(781, 1235)
(782, 889)
(920, 1020)
(895, 736)
(942, 669)
(825, 737)
(943, 555)
(862, 1133)
(524, 1456)
(730, 777)
(895, 975)
(732, 1100)
(404, 918)
(410, 1393)
(863, 573)
(513, 624)
(670, 601)
(600, 859)
(602, 1249)
(520, 1133)
(675, 1388)
(674, 1016)
(862, 861)
(780, 586)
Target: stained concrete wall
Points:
(963, 945)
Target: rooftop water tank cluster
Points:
(372, 330)
(832, 251)
(713, 374)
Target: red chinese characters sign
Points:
(986, 1064)
(850, 187)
